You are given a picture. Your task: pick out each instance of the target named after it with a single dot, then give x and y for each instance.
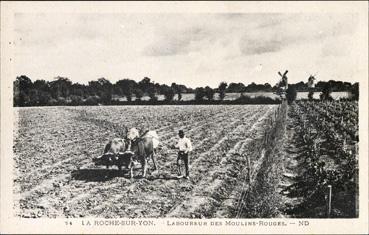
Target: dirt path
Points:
(290, 152)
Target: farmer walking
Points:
(185, 147)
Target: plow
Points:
(123, 160)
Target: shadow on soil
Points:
(100, 175)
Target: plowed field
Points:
(55, 175)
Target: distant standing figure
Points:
(185, 147)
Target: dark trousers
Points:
(184, 157)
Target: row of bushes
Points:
(240, 100)
(326, 94)
(96, 100)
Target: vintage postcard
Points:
(184, 117)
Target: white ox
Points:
(143, 146)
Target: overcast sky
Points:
(191, 49)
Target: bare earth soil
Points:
(54, 175)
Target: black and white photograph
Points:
(202, 115)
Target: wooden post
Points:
(357, 194)
(248, 169)
(329, 201)
(266, 138)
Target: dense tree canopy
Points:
(62, 91)
(222, 89)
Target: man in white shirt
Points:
(184, 145)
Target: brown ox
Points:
(115, 154)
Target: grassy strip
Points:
(260, 198)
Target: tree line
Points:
(62, 91)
